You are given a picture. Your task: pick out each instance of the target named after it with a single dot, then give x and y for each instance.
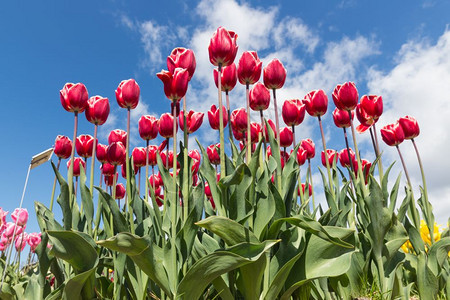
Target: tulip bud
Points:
(182, 58)
(410, 127)
(286, 137)
(107, 169)
(117, 135)
(301, 156)
(63, 147)
(20, 216)
(155, 180)
(74, 97)
(97, 110)
(365, 165)
(222, 47)
(84, 145)
(316, 103)
(21, 241)
(101, 153)
(392, 134)
(195, 155)
(152, 150)
(345, 96)
(116, 153)
(341, 118)
(193, 120)
(310, 148)
(213, 117)
(148, 127)
(229, 77)
(293, 112)
(213, 154)
(175, 84)
(120, 191)
(239, 120)
(34, 239)
(168, 163)
(238, 135)
(127, 94)
(259, 97)
(166, 125)
(109, 179)
(344, 159)
(139, 158)
(332, 157)
(76, 166)
(249, 69)
(274, 75)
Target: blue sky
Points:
(397, 49)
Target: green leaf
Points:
(64, 199)
(437, 255)
(215, 264)
(427, 282)
(80, 286)
(120, 224)
(86, 198)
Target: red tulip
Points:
(127, 94)
(368, 111)
(163, 155)
(116, 153)
(138, 155)
(345, 96)
(229, 77)
(120, 191)
(213, 154)
(193, 120)
(148, 127)
(109, 179)
(316, 103)
(213, 117)
(303, 189)
(101, 153)
(365, 165)
(286, 137)
(341, 118)
(97, 110)
(392, 134)
(293, 112)
(410, 127)
(239, 120)
(272, 126)
(283, 154)
(152, 150)
(107, 169)
(124, 171)
(222, 47)
(344, 158)
(74, 97)
(117, 135)
(155, 180)
(259, 97)
(166, 125)
(255, 130)
(76, 165)
(249, 69)
(310, 148)
(175, 84)
(238, 135)
(332, 156)
(274, 75)
(242, 145)
(301, 156)
(182, 58)
(63, 147)
(84, 145)
(195, 155)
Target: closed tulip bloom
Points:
(286, 137)
(368, 111)
(293, 112)
(303, 189)
(213, 117)
(97, 110)
(148, 127)
(116, 153)
(250, 67)
(117, 135)
(63, 147)
(239, 120)
(341, 118)
(101, 153)
(332, 156)
(76, 165)
(20, 216)
(410, 127)
(345, 96)
(193, 120)
(155, 180)
(34, 239)
(365, 165)
(84, 145)
(168, 164)
(138, 155)
(152, 150)
(259, 97)
(3, 215)
(229, 77)
(195, 155)
(242, 145)
(316, 103)
(222, 47)
(74, 97)
(8, 232)
(175, 84)
(120, 191)
(344, 158)
(272, 126)
(255, 130)
(166, 125)
(301, 156)
(107, 169)
(109, 179)
(21, 241)
(274, 75)
(238, 135)
(392, 134)
(310, 148)
(213, 154)
(127, 94)
(182, 58)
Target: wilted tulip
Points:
(97, 110)
(116, 153)
(193, 120)
(341, 118)
(76, 165)
(259, 97)
(74, 97)
(274, 75)
(345, 96)
(316, 103)
(410, 127)
(117, 135)
(332, 157)
(182, 58)
(175, 84)
(213, 117)
(166, 125)
(127, 94)
(222, 47)
(148, 127)
(213, 154)
(101, 153)
(392, 134)
(249, 69)
(229, 77)
(310, 148)
(20, 216)
(286, 137)
(63, 147)
(293, 112)
(84, 145)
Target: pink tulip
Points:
(249, 69)
(274, 75)
(193, 120)
(148, 127)
(97, 110)
(229, 77)
(222, 47)
(213, 117)
(20, 216)
(182, 58)
(34, 239)
(345, 96)
(127, 94)
(3, 217)
(21, 242)
(63, 147)
(175, 84)
(74, 97)
(259, 97)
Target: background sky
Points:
(397, 49)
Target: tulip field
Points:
(238, 219)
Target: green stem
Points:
(249, 136)
(277, 124)
(128, 190)
(174, 203)
(185, 187)
(229, 116)
(146, 171)
(222, 139)
(380, 164)
(70, 172)
(360, 171)
(311, 182)
(327, 163)
(54, 186)
(91, 185)
(263, 131)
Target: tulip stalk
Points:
(222, 140)
(358, 158)
(174, 203)
(230, 131)
(380, 164)
(263, 131)
(293, 135)
(327, 163)
(348, 150)
(146, 171)
(311, 181)
(54, 185)
(91, 185)
(277, 124)
(70, 172)
(249, 143)
(128, 168)
(185, 190)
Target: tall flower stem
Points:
(330, 179)
(358, 158)
(222, 139)
(230, 131)
(311, 182)
(293, 135)
(70, 172)
(54, 186)
(249, 144)
(185, 187)
(174, 204)
(377, 151)
(414, 212)
(263, 131)
(277, 125)
(128, 190)
(348, 150)
(91, 185)
(146, 171)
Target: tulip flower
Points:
(238, 135)
(74, 97)
(239, 120)
(21, 242)
(410, 127)
(152, 150)
(120, 191)
(229, 77)
(272, 126)
(34, 239)
(2, 217)
(148, 127)
(10, 230)
(392, 134)
(365, 164)
(293, 112)
(97, 110)
(222, 47)
(195, 155)
(341, 118)
(193, 120)
(368, 111)
(63, 147)
(249, 69)
(310, 148)
(213, 117)
(286, 137)
(316, 103)
(101, 153)
(259, 97)
(117, 135)
(107, 169)
(175, 84)
(139, 155)
(127, 94)
(332, 155)
(301, 156)
(166, 125)
(213, 155)
(167, 159)
(155, 180)
(182, 58)
(84, 145)
(347, 158)
(255, 130)
(274, 75)
(345, 96)
(109, 179)
(76, 166)
(116, 153)
(20, 216)
(124, 171)
(303, 189)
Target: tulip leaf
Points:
(81, 286)
(86, 198)
(427, 282)
(120, 224)
(64, 199)
(437, 255)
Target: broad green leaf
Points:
(86, 199)
(80, 286)
(120, 224)
(222, 289)
(427, 282)
(230, 231)
(64, 199)
(437, 255)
